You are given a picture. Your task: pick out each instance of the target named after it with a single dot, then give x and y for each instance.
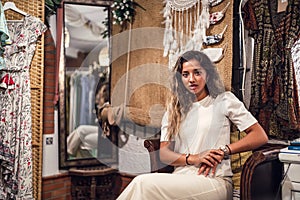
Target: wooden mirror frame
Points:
(64, 162)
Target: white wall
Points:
(134, 157)
(50, 151)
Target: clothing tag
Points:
(282, 4)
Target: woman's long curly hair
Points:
(181, 99)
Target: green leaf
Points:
(57, 1)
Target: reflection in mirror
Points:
(84, 84)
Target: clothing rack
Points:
(91, 69)
(72, 70)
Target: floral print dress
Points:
(15, 110)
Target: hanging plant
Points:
(105, 23)
(124, 11)
(50, 8)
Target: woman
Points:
(195, 136)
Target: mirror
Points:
(83, 56)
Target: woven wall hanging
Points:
(186, 22)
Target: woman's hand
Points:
(207, 161)
(209, 157)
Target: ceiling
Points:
(84, 25)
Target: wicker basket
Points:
(35, 8)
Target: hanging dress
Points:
(274, 99)
(296, 63)
(15, 121)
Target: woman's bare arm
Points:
(256, 137)
(210, 157)
(168, 156)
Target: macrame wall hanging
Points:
(186, 22)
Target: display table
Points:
(291, 181)
(91, 183)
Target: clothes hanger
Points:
(12, 6)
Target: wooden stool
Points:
(91, 183)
